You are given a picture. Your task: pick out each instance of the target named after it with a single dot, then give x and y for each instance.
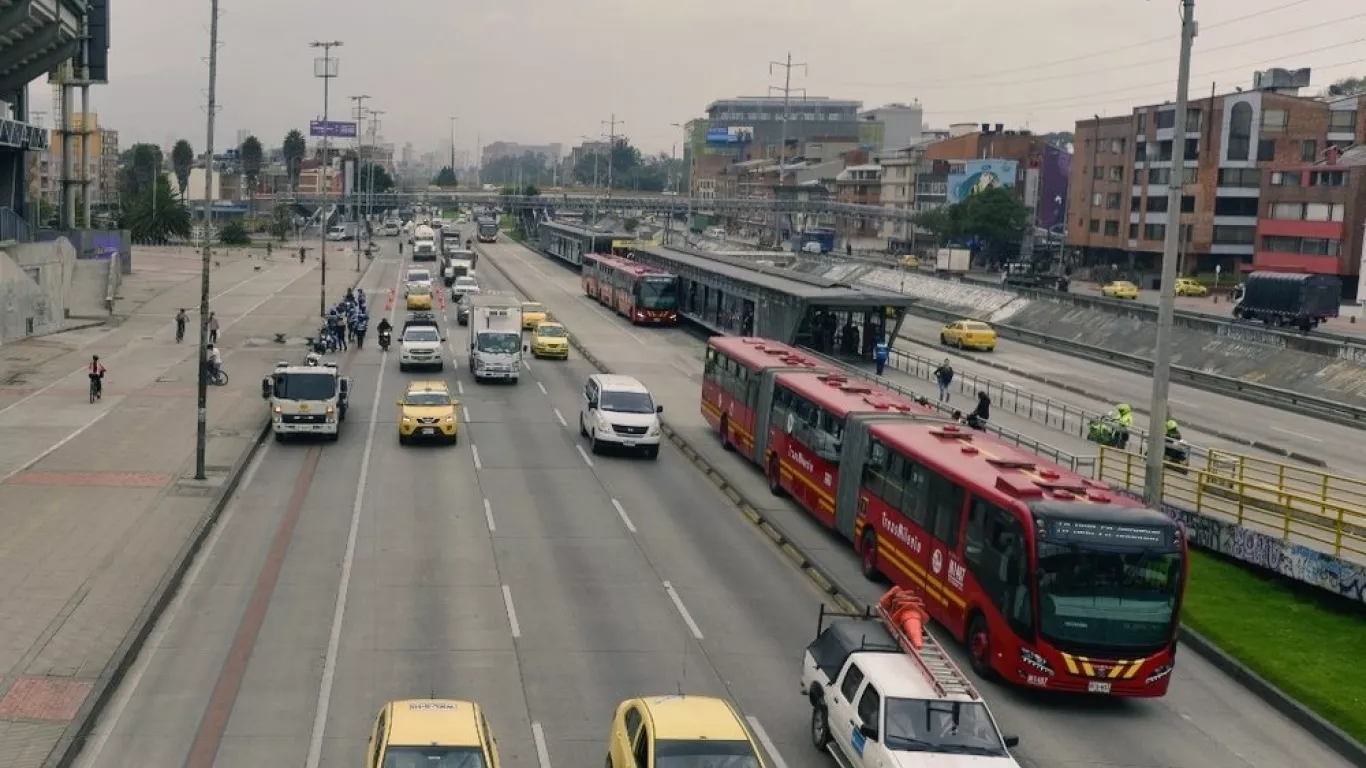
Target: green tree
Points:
(590, 169)
(233, 233)
(995, 215)
(182, 157)
(939, 222)
(251, 168)
(1348, 86)
(156, 218)
(631, 225)
(624, 159)
(138, 168)
(531, 190)
(281, 222)
(446, 178)
(382, 180)
(293, 149)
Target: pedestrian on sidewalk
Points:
(880, 354)
(213, 328)
(302, 251)
(944, 375)
(180, 320)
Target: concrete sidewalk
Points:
(98, 501)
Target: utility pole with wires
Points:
(327, 68)
(1166, 308)
(786, 91)
(202, 413)
(356, 193)
(370, 186)
(452, 119)
(611, 146)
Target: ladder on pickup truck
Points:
(905, 617)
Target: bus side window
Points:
(752, 395)
(894, 482)
(975, 540)
(914, 497)
(1001, 564)
(828, 434)
(874, 469)
(945, 510)
(709, 367)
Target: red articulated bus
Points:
(1053, 580)
(639, 293)
(733, 381)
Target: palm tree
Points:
(182, 157)
(293, 149)
(251, 168)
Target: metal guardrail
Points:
(1085, 465)
(1291, 339)
(14, 227)
(1275, 397)
(1322, 521)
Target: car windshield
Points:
(427, 399)
(421, 334)
(1098, 594)
(305, 386)
(550, 330)
(499, 342)
(433, 757)
(955, 727)
(627, 402)
(658, 293)
(419, 277)
(677, 753)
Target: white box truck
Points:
(496, 338)
(954, 261)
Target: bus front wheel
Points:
(868, 561)
(979, 647)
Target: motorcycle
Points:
(1177, 452)
(384, 338)
(1107, 432)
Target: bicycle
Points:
(216, 377)
(96, 388)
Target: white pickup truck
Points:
(879, 701)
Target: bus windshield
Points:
(657, 292)
(1101, 590)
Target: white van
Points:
(619, 411)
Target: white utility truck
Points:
(306, 399)
(496, 337)
(424, 243)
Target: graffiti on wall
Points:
(1293, 561)
(104, 245)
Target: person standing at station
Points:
(943, 375)
(880, 354)
(213, 328)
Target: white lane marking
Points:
(525, 364)
(488, 515)
(584, 454)
(1298, 434)
(769, 746)
(630, 526)
(512, 612)
(560, 416)
(542, 386)
(679, 367)
(97, 418)
(119, 354)
(315, 742)
(682, 610)
(542, 754)
(107, 723)
(466, 409)
(460, 387)
(475, 450)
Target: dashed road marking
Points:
(460, 387)
(525, 364)
(584, 454)
(466, 409)
(488, 515)
(512, 612)
(475, 450)
(683, 610)
(542, 387)
(630, 526)
(769, 746)
(543, 754)
(560, 416)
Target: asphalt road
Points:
(1206, 720)
(510, 569)
(1333, 443)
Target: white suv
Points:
(619, 411)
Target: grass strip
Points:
(1303, 640)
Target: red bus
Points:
(732, 383)
(1052, 579)
(639, 293)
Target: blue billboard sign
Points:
(332, 128)
(735, 134)
(978, 175)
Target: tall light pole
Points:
(201, 440)
(326, 68)
(611, 146)
(452, 119)
(370, 188)
(1162, 358)
(355, 198)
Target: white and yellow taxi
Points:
(1120, 289)
(550, 340)
(533, 314)
(1185, 286)
(969, 334)
(662, 731)
(428, 412)
(435, 732)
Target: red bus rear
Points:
(733, 378)
(633, 290)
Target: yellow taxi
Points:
(533, 313)
(550, 340)
(1120, 289)
(667, 730)
(1188, 287)
(428, 412)
(910, 262)
(969, 334)
(419, 298)
(422, 732)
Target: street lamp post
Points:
(1162, 358)
(327, 71)
(356, 193)
(452, 119)
(201, 441)
(370, 187)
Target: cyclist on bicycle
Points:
(213, 360)
(96, 372)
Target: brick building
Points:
(859, 185)
(1117, 204)
(952, 159)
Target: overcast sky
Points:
(538, 71)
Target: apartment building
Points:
(45, 167)
(1038, 172)
(1232, 143)
(891, 126)
(1311, 216)
(859, 185)
(898, 193)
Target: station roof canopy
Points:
(578, 230)
(783, 281)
